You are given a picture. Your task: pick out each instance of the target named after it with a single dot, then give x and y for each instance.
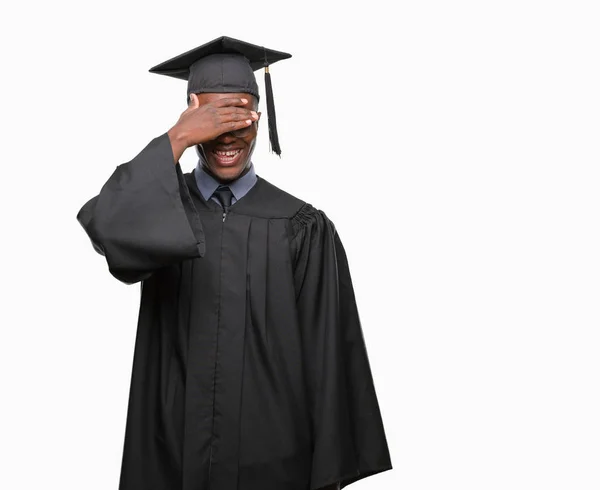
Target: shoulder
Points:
(271, 201)
(303, 215)
(310, 218)
(280, 201)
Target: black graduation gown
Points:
(250, 369)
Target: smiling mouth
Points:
(226, 157)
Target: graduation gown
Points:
(250, 369)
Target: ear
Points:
(193, 101)
(259, 113)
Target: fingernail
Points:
(248, 121)
(254, 115)
(245, 101)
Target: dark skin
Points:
(217, 123)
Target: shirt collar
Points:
(207, 184)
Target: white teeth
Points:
(227, 153)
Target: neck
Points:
(224, 181)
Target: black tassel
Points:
(273, 137)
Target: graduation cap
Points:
(227, 65)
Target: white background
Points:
(454, 145)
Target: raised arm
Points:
(143, 218)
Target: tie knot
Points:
(224, 195)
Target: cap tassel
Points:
(273, 137)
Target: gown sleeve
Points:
(144, 218)
(349, 441)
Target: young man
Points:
(250, 369)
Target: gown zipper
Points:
(210, 456)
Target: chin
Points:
(226, 165)
(227, 172)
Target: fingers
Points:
(235, 125)
(230, 101)
(234, 119)
(236, 114)
(235, 110)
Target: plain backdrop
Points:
(455, 145)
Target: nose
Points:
(226, 138)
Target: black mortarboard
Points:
(227, 65)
